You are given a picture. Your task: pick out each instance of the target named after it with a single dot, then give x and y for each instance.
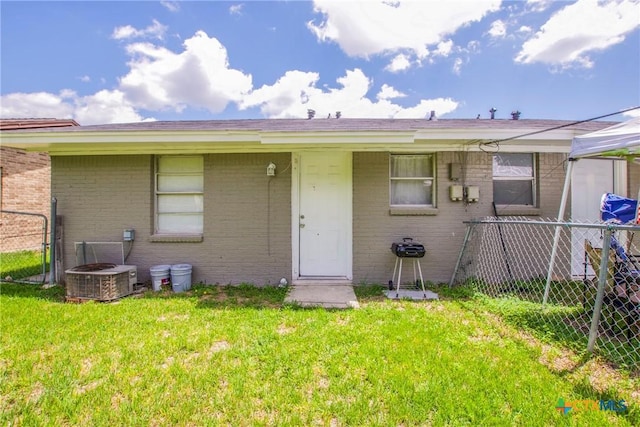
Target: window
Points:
(412, 180)
(179, 194)
(514, 179)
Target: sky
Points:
(101, 62)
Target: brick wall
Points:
(442, 234)
(247, 231)
(25, 181)
(25, 188)
(247, 228)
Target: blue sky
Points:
(109, 62)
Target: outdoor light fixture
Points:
(271, 169)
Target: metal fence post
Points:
(467, 235)
(44, 248)
(602, 281)
(52, 254)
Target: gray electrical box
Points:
(455, 171)
(129, 235)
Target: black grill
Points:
(408, 248)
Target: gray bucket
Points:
(181, 277)
(160, 276)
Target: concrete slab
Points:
(323, 295)
(416, 295)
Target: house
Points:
(25, 179)
(301, 199)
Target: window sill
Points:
(424, 211)
(518, 211)
(176, 238)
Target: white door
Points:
(591, 179)
(324, 216)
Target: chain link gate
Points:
(590, 301)
(23, 247)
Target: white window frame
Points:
(424, 179)
(194, 192)
(533, 178)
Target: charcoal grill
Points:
(407, 248)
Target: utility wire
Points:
(496, 142)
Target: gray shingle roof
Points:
(331, 125)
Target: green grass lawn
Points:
(239, 356)
(21, 264)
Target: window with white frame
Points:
(179, 191)
(412, 180)
(514, 179)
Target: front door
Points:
(324, 217)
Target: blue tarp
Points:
(618, 209)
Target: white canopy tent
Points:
(620, 140)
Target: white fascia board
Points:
(50, 139)
(332, 138)
(71, 143)
(492, 134)
(99, 143)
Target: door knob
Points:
(301, 225)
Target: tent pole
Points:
(556, 237)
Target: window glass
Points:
(514, 180)
(412, 180)
(179, 194)
(513, 164)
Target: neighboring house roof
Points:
(286, 134)
(11, 124)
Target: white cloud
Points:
(400, 62)
(102, 107)
(171, 6)
(444, 48)
(457, 66)
(498, 29)
(296, 92)
(367, 28)
(155, 30)
(538, 5)
(389, 92)
(290, 96)
(440, 106)
(236, 9)
(105, 106)
(585, 26)
(199, 76)
(84, 79)
(632, 114)
(36, 105)
(525, 29)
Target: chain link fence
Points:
(575, 283)
(23, 246)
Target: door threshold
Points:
(322, 281)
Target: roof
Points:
(271, 135)
(12, 124)
(334, 124)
